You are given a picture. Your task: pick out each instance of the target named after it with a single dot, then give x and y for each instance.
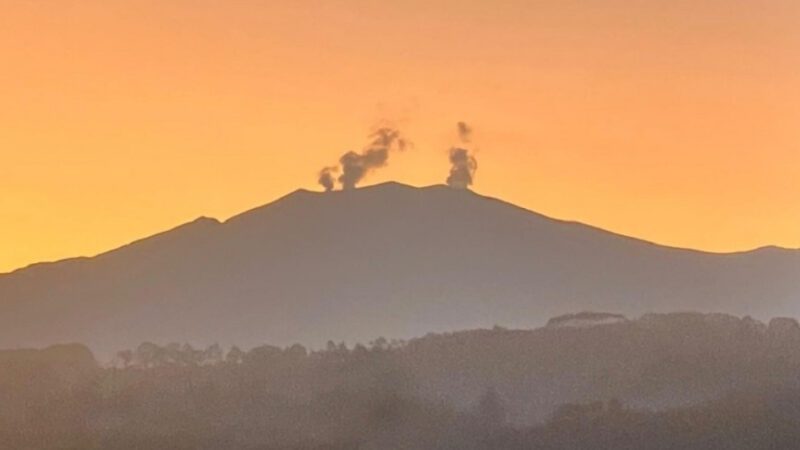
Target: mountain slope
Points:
(384, 260)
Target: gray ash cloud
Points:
(462, 164)
(354, 166)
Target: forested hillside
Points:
(660, 381)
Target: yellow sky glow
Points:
(674, 121)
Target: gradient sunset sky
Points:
(673, 121)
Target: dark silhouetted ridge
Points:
(388, 259)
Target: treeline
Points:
(149, 355)
(662, 381)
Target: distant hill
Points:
(390, 260)
(657, 361)
(663, 381)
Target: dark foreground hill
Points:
(689, 381)
(388, 260)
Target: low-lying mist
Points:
(587, 380)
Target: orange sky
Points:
(675, 121)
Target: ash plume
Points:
(462, 164)
(355, 166)
(462, 168)
(464, 132)
(327, 178)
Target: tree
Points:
(149, 355)
(213, 354)
(126, 357)
(234, 356)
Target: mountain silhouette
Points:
(387, 260)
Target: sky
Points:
(672, 121)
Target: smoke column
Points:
(462, 164)
(327, 179)
(462, 168)
(355, 166)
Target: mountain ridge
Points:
(207, 220)
(390, 260)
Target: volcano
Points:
(386, 260)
